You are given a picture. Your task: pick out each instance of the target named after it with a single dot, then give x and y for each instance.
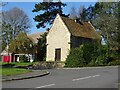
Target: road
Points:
(100, 77)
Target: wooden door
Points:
(58, 54)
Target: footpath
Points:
(33, 74)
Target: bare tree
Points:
(18, 20)
(3, 4)
(80, 12)
(73, 13)
(14, 21)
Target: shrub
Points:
(23, 58)
(90, 51)
(75, 58)
(101, 60)
(114, 62)
(90, 54)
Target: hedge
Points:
(90, 54)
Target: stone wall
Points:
(58, 37)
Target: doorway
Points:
(58, 54)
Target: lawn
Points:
(1, 63)
(13, 71)
(17, 63)
(8, 71)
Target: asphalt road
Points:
(101, 77)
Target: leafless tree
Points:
(73, 13)
(3, 4)
(14, 21)
(17, 19)
(80, 11)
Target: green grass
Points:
(1, 62)
(13, 71)
(21, 63)
(17, 63)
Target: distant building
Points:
(7, 56)
(65, 34)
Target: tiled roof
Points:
(82, 29)
(35, 36)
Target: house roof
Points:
(82, 29)
(5, 52)
(35, 36)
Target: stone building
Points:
(65, 34)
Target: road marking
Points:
(81, 78)
(46, 86)
(85, 78)
(95, 75)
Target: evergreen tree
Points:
(41, 47)
(82, 13)
(89, 13)
(118, 35)
(48, 11)
(105, 19)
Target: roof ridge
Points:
(34, 36)
(36, 33)
(85, 29)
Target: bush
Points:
(91, 54)
(75, 58)
(101, 60)
(23, 58)
(114, 62)
(90, 51)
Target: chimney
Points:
(78, 21)
(47, 30)
(89, 22)
(75, 20)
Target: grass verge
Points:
(17, 63)
(13, 71)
